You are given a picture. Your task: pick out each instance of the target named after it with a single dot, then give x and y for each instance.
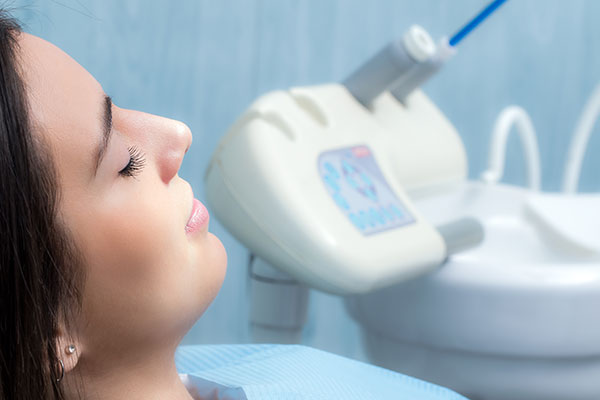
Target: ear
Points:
(68, 349)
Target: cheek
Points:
(136, 256)
(144, 271)
(131, 290)
(134, 238)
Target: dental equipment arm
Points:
(406, 64)
(305, 179)
(316, 185)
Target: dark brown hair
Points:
(39, 277)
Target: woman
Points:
(106, 260)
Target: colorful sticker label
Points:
(355, 183)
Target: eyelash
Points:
(136, 163)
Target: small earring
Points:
(70, 349)
(62, 370)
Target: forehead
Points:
(65, 101)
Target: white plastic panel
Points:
(267, 186)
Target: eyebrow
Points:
(106, 130)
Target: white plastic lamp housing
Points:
(426, 152)
(270, 185)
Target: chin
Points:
(212, 268)
(219, 260)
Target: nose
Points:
(164, 140)
(173, 143)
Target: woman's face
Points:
(149, 276)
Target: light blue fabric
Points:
(282, 372)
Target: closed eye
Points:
(136, 163)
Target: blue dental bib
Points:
(280, 372)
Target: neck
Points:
(152, 376)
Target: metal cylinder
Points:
(389, 64)
(278, 304)
(461, 235)
(419, 74)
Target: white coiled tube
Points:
(579, 141)
(513, 115)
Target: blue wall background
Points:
(204, 61)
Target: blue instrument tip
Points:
(465, 30)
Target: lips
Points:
(198, 218)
